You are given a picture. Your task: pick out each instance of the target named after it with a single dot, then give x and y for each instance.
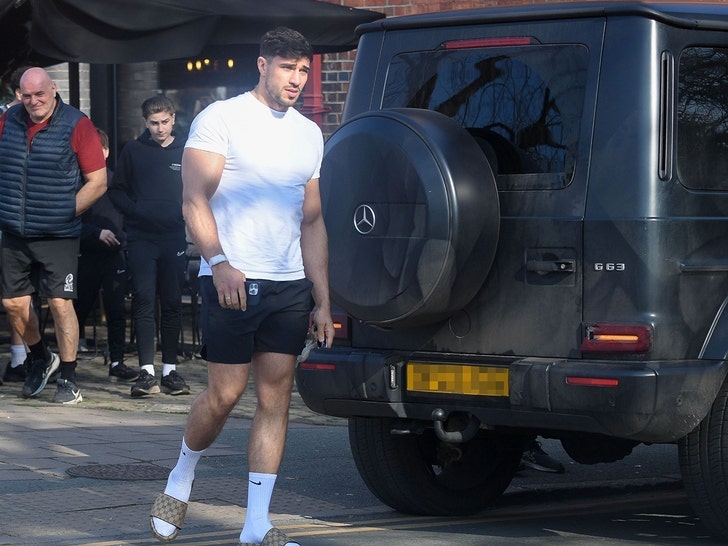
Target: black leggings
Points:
(107, 271)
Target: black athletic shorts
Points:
(277, 323)
(44, 265)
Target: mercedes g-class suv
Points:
(527, 211)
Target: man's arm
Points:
(86, 143)
(201, 173)
(315, 251)
(93, 188)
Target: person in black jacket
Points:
(147, 190)
(102, 264)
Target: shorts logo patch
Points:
(68, 286)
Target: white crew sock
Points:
(17, 355)
(179, 483)
(149, 368)
(166, 368)
(257, 522)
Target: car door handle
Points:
(551, 266)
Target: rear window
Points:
(523, 104)
(702, 118)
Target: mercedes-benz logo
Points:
(364, 219)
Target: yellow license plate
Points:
(457, 379)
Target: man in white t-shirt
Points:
(252, 206)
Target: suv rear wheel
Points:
(419, 474)
(704, 466)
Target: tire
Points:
(412, 214)
(409, 472)
(704, 466)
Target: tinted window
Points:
(523, 104)
(702, 118)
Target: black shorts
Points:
(277, 323)
(46, 266)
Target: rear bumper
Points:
(651, 401)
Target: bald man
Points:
(52, 168)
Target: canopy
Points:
(127, 31)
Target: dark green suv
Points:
(528, 219)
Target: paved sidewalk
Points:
(99, 393)
(88, 474)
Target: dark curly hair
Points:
(286, 43)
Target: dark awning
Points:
(126, 31)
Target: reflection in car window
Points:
(702, 118)
(523, 105)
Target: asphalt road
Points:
(319, 498)
(638, 500)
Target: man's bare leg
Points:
(273, 374)
(18, 348)
(22, 318)
(225, 385)
(66, 326)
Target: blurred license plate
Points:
(457, 379)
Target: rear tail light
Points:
(592, 381)
(609, 337)
(341, 324)
(317, 366)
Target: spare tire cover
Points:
(411, 209)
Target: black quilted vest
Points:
(38, 183)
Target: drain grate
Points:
(119, 472)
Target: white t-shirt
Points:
(269, 158)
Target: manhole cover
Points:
(120, 471)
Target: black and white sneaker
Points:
(145, 385)
(173, 384)
(39, 373)
(67, 392)
(122, 372)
